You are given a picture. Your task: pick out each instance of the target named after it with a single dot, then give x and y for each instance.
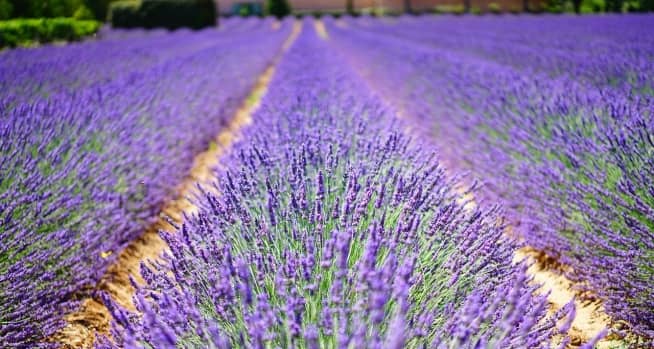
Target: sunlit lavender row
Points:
(391, 171)
(554, 114)
(94, 138)
(333, 229)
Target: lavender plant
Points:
(333, 229)
(31, 74)
(85, 164)
(607, 51)
(565, 143)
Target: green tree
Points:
(83, 12)
(5, 9)
(278, 8)
(44, 8)
(100, 8)
(553, 6)
(614, 5)
(646, 5)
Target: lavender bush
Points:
(611, 50)
(32, 74)
(93, 139)
(557, 123)
(332, 229)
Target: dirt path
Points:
(93, 317)
(590, 316)
(320, 29)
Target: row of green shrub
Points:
(78, 9)
(171, 14)
(15, 32)
(556, 6)
(533, 6)
(598, 6)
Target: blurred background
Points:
(33, 22)
(100, 9)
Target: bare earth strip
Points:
(590, 316)
(93, 317)
(320, 29)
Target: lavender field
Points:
(408, 182)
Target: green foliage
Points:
(61, 8)
(125, 14)
(79, 9)
(646, 5)
(26, 31)
(614, 5)
(99, 8)
(278, 8)
(5, 9)
(554, 6)
(598, 6)
(171, 14)
(494, 8)
(634, 6)
(246, 9)
(44, 9)
(450, 9)
(83, 13)
(592, 6)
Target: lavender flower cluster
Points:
(333, 229)
(93, 139)
(556, 114)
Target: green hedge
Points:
(450, 9)
(278, 8)
(171, 14)
(125, 14)
(17, 32)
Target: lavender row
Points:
(606, 51)
(30, 74)
(83, 173)
(334, 230)
(572, 160)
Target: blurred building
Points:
(393, 6)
